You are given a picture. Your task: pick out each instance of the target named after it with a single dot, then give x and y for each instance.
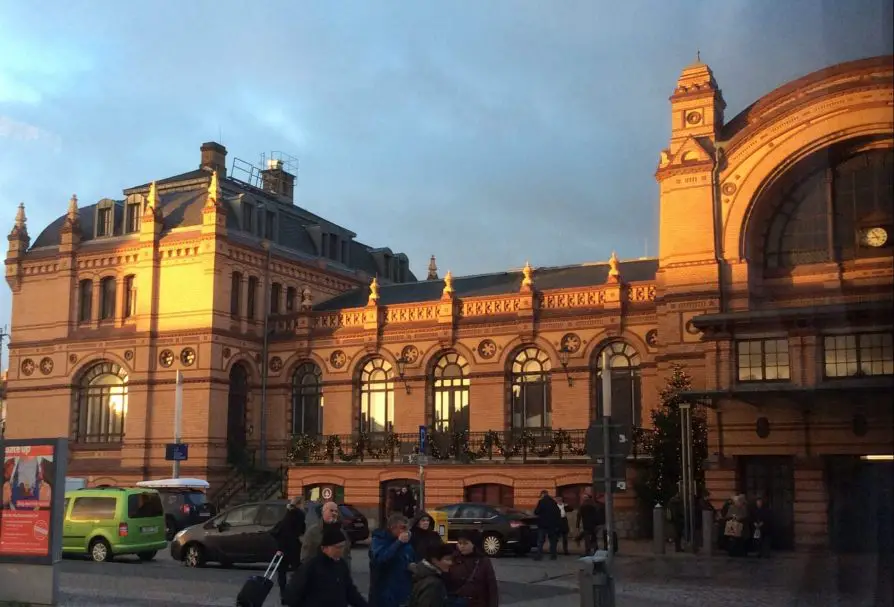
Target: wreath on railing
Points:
(308, 448)
(460, 447)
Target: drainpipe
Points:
(264, 354)
(718, 224)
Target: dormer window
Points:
(132, 217)
(104, 221)
(270, 225)
(248, 217)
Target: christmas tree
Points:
(665, 444)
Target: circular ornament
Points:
(487, 349)
(762, 427)
(276, 364)
(128, 355)
(72, 358)
(166, 358)
(693, 117)
(652, 338)
(28, 366)
(46, 365)
(728, 188)
(410, 354)
(187, 357)
(571, 343)
(338, 359)
(691, 328)
(226, 352)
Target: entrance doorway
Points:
(236, 409)
(772, 478)
(860, 504)
(390, 499)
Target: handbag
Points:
(733, 528)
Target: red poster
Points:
(27, 494)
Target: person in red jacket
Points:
(471, 578)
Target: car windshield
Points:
(347, 511)
(510, 511)
(196, 498)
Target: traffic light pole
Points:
(607, 454)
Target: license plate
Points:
(149, 529)
(533, 527)
(204, 514)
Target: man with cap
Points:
(325, 580)
(330, 518)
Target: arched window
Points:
(624, 362)
(376, 396)
(130, 296)
(107, 298)
(530, 391)
(307, 399)
(235, 294)
(830, 208)
(85, 301)
(275, 297)
(291, 295)
(102, 404)
(450, 387)
(251, 298)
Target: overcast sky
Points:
(485, 132)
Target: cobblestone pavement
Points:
(642, 581)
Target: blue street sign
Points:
(421, 439)
(176, 452)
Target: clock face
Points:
(875, 237)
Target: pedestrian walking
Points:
(287, 533)
(390, 555)
(549, 521)
(313, 537)
(588, 524)
(471, 578)
(423, 535)
(429, 588)
(564, 527)
(325, 580)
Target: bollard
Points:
(597, 587)
(708, 532)
(658, 540)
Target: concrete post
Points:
(658, 539)
(708, 532)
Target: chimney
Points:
(214, 157)
(276, 180)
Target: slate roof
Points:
(182, 198)
(501, 283)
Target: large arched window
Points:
(450, 388)
(376, 396)
(834, 206)
(307, 399)
(530, 390)
(624, 362)
(102, 404)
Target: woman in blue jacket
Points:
(390, 556)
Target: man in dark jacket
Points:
(549, 521)
(390, 555)
(588, 524)
(429, 589)
(287, 534)
(324, 580)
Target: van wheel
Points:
(170, 529)
(147, 556)
(100, 551)
(492, 545)
(194, 556)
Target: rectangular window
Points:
(235, 292)
(144, 505)
(104, 222)
(85, 301)
(248, 218)
(275, 296)
(107, 299)
(130, 297)
(333, 246)
(859, 355)
(94, 508)
(763, 360)
(344, 252)
(252, 297)
(133, 217)
(270, 225)
(291, 294)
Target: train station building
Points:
(309, 360)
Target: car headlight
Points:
(179, 534)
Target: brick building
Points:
(772, 286)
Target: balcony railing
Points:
(453, 447)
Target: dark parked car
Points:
(501, 528)
(184, 502)
(242, 534)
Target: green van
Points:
(104, 522)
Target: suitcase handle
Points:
(273, 566)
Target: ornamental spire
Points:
(614, 273)
(432, 269)
(373, 292)
(448, 291)
(73, 208)
(527, 277)
(152, 198)
(214, 191)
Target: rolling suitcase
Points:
(257, 588)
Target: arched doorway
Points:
(492, 494)
(236, 412)
(389, 498)
(573, 495)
